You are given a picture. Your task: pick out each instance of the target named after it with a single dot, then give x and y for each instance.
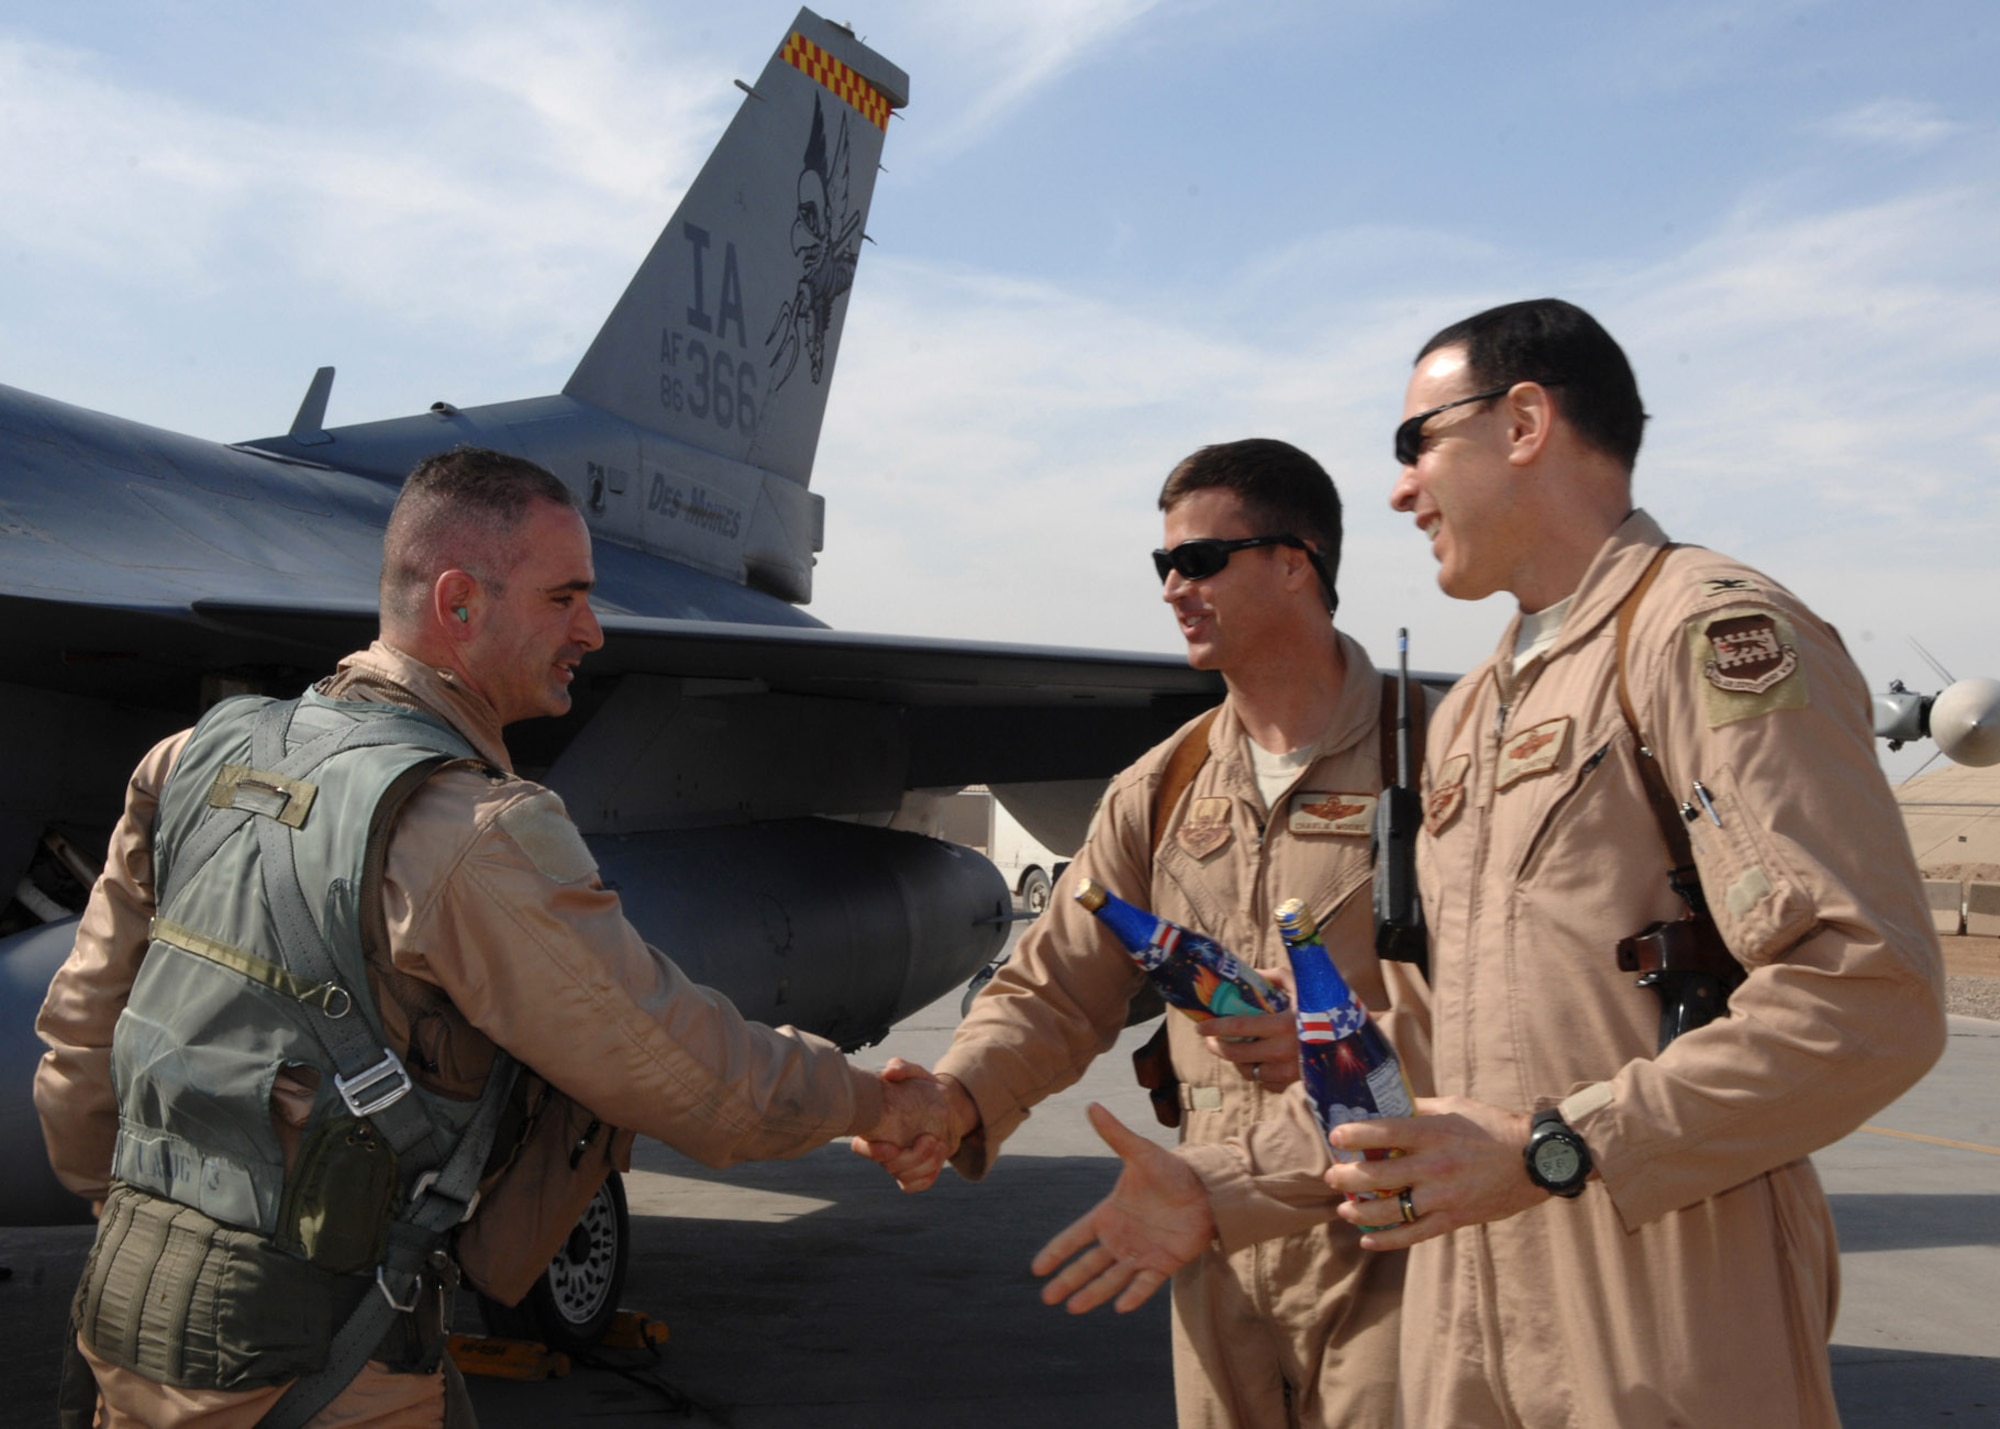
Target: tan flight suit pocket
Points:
(1756, 900)
(524, 1217)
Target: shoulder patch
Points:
(1321, 813)
(1206, 827)
(1746, 662)
(542, 827)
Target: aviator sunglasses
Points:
(1410, 431)
(1201, 558)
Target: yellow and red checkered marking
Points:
(808, 58)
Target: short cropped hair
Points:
(1564, 348)
(459, 510)
(1284, 491)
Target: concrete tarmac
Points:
(812, 1293)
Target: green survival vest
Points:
(273, 821)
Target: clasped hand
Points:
(924, 1117)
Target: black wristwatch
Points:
(1558, 1161)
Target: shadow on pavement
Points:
(1891, 1221)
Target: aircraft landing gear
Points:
(576, 1299)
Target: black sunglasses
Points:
(1410, 432)
(1201, 558)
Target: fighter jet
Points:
(748, 780)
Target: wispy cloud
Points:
(1002, 54)
(1818, 380)
(1898, 123)
(151, 189)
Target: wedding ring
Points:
(1409, 1211)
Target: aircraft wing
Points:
(906, 669)
(968, 711)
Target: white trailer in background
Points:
(975, 818)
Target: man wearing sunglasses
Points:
(1267, 799)
(1609, 1211)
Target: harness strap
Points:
(1682, 873)
(223, 820)
(361, 1060)
(415, 1241)
(1182, 765)
(217, 826)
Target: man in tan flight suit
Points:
(1300, 1330)
(1669, 1259)
(491, 930)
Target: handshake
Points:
(924, 1120)
(1156, 1219)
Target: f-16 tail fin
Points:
(726, 337)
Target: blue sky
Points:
(1109, 232)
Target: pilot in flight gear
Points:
(1604, 1229)
(1300, 1330)
(306, 1051)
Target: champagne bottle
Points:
(1350, 1071)
(1194, 973)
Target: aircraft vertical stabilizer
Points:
(726, 338)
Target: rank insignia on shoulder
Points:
(1320, 813)
(1206, 827)
(1724, 585)
(1748, 663)
(1532, 751)
(1447, 795)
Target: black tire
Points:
(575, 1300)
(1035, 891)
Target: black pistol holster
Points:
(1688, 965)
(1686, 962)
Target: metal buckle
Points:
(416, 1291)
(328, 997)
(428, 1180)
(365, 1092)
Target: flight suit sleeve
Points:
(1270, 1180)
(1063, 997)
(73, 1090)
(1812, 882)
(490, 893)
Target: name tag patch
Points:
(1206, 827)
(1532, 751)
(1748, 664)
(1318, 813)
(1447, 795)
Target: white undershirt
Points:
(1275, 772)
(1538, 631)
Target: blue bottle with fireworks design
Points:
(1350, 1071)
(1196, 974)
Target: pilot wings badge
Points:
(1532, 751)
(1319, 813)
